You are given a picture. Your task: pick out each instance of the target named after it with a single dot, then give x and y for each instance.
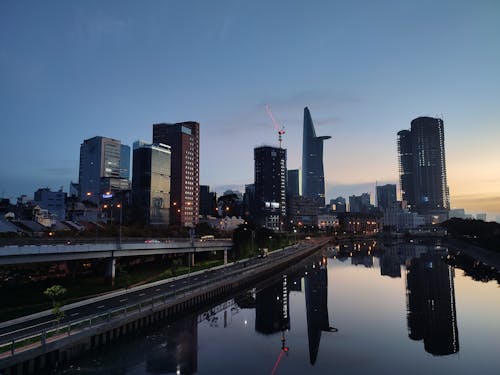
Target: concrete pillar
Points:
(111, 269)
(225, 256)
(191, 259)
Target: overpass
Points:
(15, 254)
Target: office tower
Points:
(184, 139)
(422, 168)
(100, 168)
(270, 186)
(272, 307)
(386, 196)
(125, 162)
(208, 201)
(151, 183)
(249, 202)
(293, 184)
(313, 176)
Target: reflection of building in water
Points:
(272, 307)
(390, 263)
(295, 283)
(431, 310)
(179, 355)
(365, 260)
(316, 290)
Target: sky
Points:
(72, 70)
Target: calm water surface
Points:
(347, 310)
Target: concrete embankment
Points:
(491, 258)
(77, 339)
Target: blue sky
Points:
(70, 70)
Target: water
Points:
(381, 311)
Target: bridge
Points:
(15, 254)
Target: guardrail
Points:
(23, 342)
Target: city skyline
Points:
(84, 70)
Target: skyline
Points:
(71, 71)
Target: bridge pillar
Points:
(111, 269)
(225, 256)
(191, 259)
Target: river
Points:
(356, 308)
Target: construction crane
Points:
(279, 128)
(284, 350)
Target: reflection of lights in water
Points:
(178, 372)
(246, 322)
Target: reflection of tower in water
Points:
(272, 307)
(430, 300)
(180, 353)
(316, 290)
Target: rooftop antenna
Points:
(279, 128)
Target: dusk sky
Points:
(71, 70)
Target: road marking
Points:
(123, 300)
(157, 290)
(172, 286)
(100, 307)
(142, 294)
(74, 314)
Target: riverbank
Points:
(488, 257)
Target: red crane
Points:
(279, 128)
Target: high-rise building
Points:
(208, 201)
(386, 196)
(422, 168)
(101, 167)
(270, 186)
(125, 162)
(338, 204)
(293, 185)
(184, 139)
(313, 176)
(52, 201)
(151, 183)
(360, 203)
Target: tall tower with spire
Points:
(313, 175)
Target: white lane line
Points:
(74, 314)
(157, 290)
(142, 294)
(100, 307)
(172, 286)
(123, 300)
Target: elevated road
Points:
(15, 254)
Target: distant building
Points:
(458, 213)
(249, 202)
(386, 196)
(359, 223)
(293, 185)
(313, 176)
(338, 204)
(102, 167)
(184, 139)
(302, 212)
(328, 221)
(52, 201)
(360, 203)
(270, 186)
(208, 201)
(151, 183)
(481, 217)
(399, 219)
(422, 168)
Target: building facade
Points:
(386, 196)
(184, 140)
(208, 201)
(151, 183)
(293, 182)
(313, 176)
(270, 186)
(422, 168)
(52, 201)
(102, 167)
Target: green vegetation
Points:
(55, 293)
(476, 232)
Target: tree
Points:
(55, 293)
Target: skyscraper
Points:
(102, 168)
(151, 183)
(293, 186)
(313, 176)
(184, 140)
(270, 186)
(422, 168)
(386, 196)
